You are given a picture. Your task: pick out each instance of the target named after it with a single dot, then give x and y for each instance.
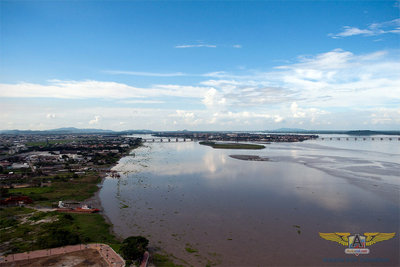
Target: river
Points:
(204, 207)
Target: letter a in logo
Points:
(357, 241)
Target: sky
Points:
(200, 65)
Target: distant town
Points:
(37, 160)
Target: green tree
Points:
(133, 247)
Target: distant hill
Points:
(289, 130)
(73, 130)
(69, 130)
(76, 130)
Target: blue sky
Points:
(200, 65)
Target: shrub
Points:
(58, 238)
(133, 247)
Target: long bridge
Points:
(166, 140)
(358, 138)
(321, 138)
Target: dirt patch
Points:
(87, 257)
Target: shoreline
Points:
(95, 199)
(82, 190)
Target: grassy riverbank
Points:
(231, 145)
(25, 229)
(77, 189)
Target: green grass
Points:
(31, 190)
(93, 228)
(77, 189)
(231, 145)
(13, 211)
(21, 232)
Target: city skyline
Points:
(219, 65)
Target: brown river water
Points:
(204, 207)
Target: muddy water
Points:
(204, 207)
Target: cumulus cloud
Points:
(385, 116)
(313, 90)
(50, 116)
(212, 98)
(374, 29)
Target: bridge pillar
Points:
(176, 140)
(184, 139)
(169, 140)
(161, 140)
(154, 140)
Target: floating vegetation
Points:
(298, 227)
(189, 249)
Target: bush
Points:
(133, 247)
(58, 238)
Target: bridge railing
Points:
(359, 138)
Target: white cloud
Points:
(142, 101)
(278, 119)
(141, 73)
(95, 89)
(206, 45)
(95, 121)
(385, 116)
(392, 26)
(51, 116)
(337, 87)
(350, 31)
(195, 45)
(297, 113)
(212, 98)
(184, 114)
